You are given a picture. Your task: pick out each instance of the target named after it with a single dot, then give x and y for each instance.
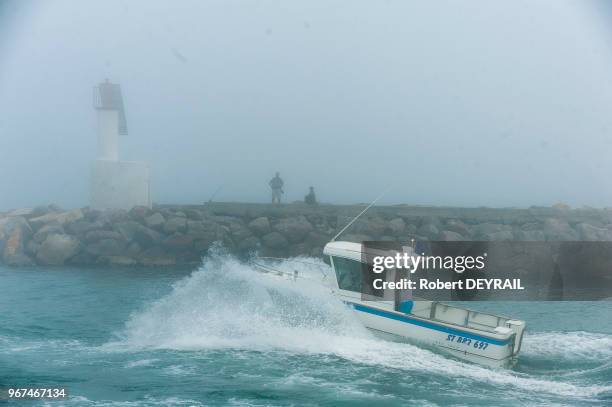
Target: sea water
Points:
(227, 335)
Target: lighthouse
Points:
(115, 184)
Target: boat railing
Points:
(459, 316)
(321, 267)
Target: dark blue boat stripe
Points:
(426, 324)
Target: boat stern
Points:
(518, 327)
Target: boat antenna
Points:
(359, 215)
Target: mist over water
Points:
(452, 103)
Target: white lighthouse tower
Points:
(115, 184)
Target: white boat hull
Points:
(464, 344)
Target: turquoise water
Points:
(226, 335)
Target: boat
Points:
(476, 336)
(471, 335)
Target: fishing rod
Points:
(215, 193)
(361, 213)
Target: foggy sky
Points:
(471, 103)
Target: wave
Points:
(148, 401)
(10, 345)
(227, 304)
(140, 363)
(574, 346)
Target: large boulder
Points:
(457, 226)
(96, 235)
(239, 232)
(225, 220)
(200, 230)
(592, 233)
(299, 249)
(91, 215)
(492, 231)
(39, 211)
(112, 216)
(428, 230)
(51, 229)
(139, 213)
(81, 227)
(294, 229)
(502, 235)
(411, 230)
(531, 226)
(341, 220)
(134, 231)
(56, 249)
(54, 208)
(530, 235)
(195, 226)
(450, 236)
(31, 248)
(117, 260)
(397, 226)
(194, 214)
(260, 226)
(175, 224)
(373, 226)
(9, 224)
(155, 221)
(249, 244)
(106, 247)
(559, 230)
(60, 218)
(156, 256)
(20, 260)
(370, 226)
(178, 242)
(133, 250)
(317, 240)
(14, 234)
(24, 212)
(275, 240)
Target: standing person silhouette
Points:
(276, 184)
(311, 198)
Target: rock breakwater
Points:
(176, 235)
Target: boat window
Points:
(348, 274)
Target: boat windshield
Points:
(350, 276)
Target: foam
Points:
(19, 345)
(140, 363)
(227, 304)
(573, 346)
(149, 401)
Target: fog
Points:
(471, 103)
